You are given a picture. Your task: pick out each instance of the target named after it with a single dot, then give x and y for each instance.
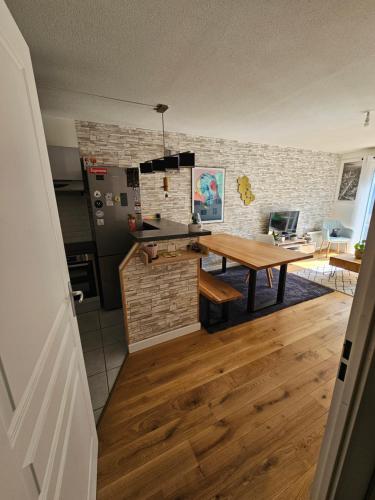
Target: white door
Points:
(350, 394)
(47, 431)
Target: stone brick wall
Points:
(281, 178)
(160, 298)
(163, 298)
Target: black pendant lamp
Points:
(167, 162)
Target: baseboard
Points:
(164, 337)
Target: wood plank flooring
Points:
(237, 414)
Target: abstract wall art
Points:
(208, 193)
(351, 173)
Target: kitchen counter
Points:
(160, 298)
(164, 229)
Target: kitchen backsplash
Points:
(74, 217)
(281, 178)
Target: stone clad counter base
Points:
(160, 300)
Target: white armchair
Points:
(334, 231)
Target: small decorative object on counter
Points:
(132, 223)
(152, 250)
(195, 225)
(89, 161)
(171, 247)
(359, 249)
(244, 188)
(195, 247)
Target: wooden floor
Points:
(237, 414)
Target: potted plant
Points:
(195, 224)
(276, 236)
(359, 249)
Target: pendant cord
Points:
(162, 124)
(117, 99)
(160, 108)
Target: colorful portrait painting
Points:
(208, 193)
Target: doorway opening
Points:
(369, 208)
(101, 331)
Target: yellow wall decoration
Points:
(244, 188)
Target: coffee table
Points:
(346, 261)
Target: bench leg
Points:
(225, 311)
(207, 312)
(224, 314)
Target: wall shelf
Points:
(182, 255)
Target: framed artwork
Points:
(208, 193)
(351, 172)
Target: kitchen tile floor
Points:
(104, 350)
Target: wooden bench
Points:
(218, 292)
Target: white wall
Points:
(60, 131)
(352, 213)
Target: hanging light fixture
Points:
(367, 119)
(168, 161)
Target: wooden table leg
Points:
(251, 290)
(252, 287)
(281, 285)
(269, 276)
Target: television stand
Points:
(299, 244)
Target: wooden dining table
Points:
(256, 256)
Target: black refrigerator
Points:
(113, 195)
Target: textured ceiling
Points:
(289, 72)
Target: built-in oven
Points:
(82, 272)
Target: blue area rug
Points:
(297, 290)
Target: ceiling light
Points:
(367, 119)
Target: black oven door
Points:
(83, 277)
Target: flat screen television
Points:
(283, 222)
